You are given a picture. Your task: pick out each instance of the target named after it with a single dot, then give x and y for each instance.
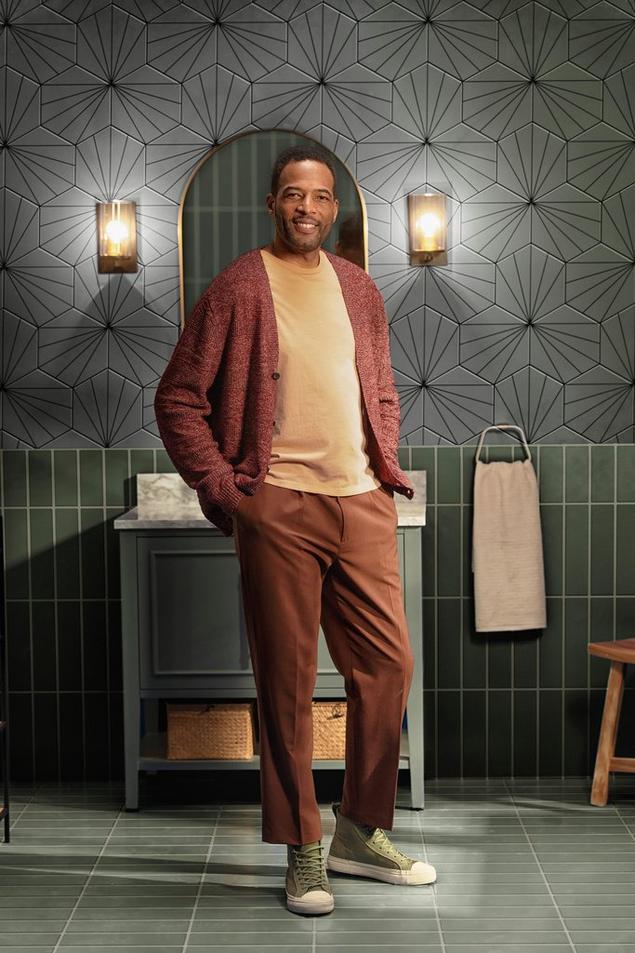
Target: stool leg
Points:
(608, 734)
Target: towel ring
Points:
(503, 427)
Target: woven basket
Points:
(217, 730)
(329, 729)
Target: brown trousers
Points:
(307, 558)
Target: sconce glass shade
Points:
(428, 226)
(117, 237)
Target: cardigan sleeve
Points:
(181, 406)
(389, 408)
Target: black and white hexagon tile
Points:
(522, 112)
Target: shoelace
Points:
(309, 864)
(380, 838)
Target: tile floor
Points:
(523, 867)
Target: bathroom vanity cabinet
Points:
(184, 633)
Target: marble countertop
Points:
(164, 501)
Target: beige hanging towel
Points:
(507, 558)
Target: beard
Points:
(297, 241)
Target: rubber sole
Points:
(311, 906)
(409, 877)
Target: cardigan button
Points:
(275, 375)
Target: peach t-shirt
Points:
(318, 443)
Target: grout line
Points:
(202, 880)
(56, 621)
(27, 481)
(542, 873)
(433, 886)
(80, 601)
(589, 608)
(563, 618)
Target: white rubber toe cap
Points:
(421, 873)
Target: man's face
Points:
(304, 207)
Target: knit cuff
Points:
(221, 490)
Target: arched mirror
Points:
(223, 212)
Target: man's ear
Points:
(270, 201)
(337, 208)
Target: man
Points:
(279, 407)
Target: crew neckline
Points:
(297, 269)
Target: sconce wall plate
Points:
(427, 226)
(117, 237)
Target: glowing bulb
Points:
(116, 231)
(429, 224)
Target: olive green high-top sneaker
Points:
(367, 852)
(307, 885)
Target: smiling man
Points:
(279, 407)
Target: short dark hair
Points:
(313, 153)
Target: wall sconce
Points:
(117, 237)
(428, 226)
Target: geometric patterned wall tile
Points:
(76, 104)
(531, 399)
(171, 158)
(530, 283)
(617, 343)
(600, 282)
(496, 222)
(39, 42)
(618, 218)
(599, 404)
(240, 36)
(110, 165)
(496, 101)
(566, 100)
(601, 161)
(68, 226)
(494, 344)
(533, 40)
(216, 104)
(453, 36)
(602, 39)
(157, 219)
(462, 287)
(457, 405)
(162, 288)
(107, 410)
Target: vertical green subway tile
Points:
(429, 644)
(46, 741)
(499, 755)
(423, 458)
(44, 647)
(164, 464)
(467, 458)
(72, 751)
(70, 645)
(449, 550)
(474, 650)
(474, 734)
(575, 732)
(42, 554)
(91, 477)
(449, 643)
(428, 554)
(625, 560)
(96, 708)
(93, 567)
(576, 620)
(602, 474)
(40, 478)
(576, 550)
(65, 474)
(67, 552)
(624, 616)
(16, 554)
(500, 452)
(449, 732)
(115, 676)
(552, 543)
(21, 736)
(499, 664)
(116, 477)
(525, 734)
(602, 540)
(403, 455)
(602, 622)
(525, 661)
(466, 552)
(429, 732)
(551, 474)
(112, 552)
(14, 477)
(576, 470)
(550, 733)
(550, 647)
(19, 648)
(95, 642)
(448, 474)
(626, 473)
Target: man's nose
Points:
(307, 203)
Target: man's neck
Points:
(306, 260)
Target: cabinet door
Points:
(191, 623)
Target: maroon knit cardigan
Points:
(215, 401)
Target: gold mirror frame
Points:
(243, 135)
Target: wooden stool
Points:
(621, 652)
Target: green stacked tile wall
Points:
(524, 704)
